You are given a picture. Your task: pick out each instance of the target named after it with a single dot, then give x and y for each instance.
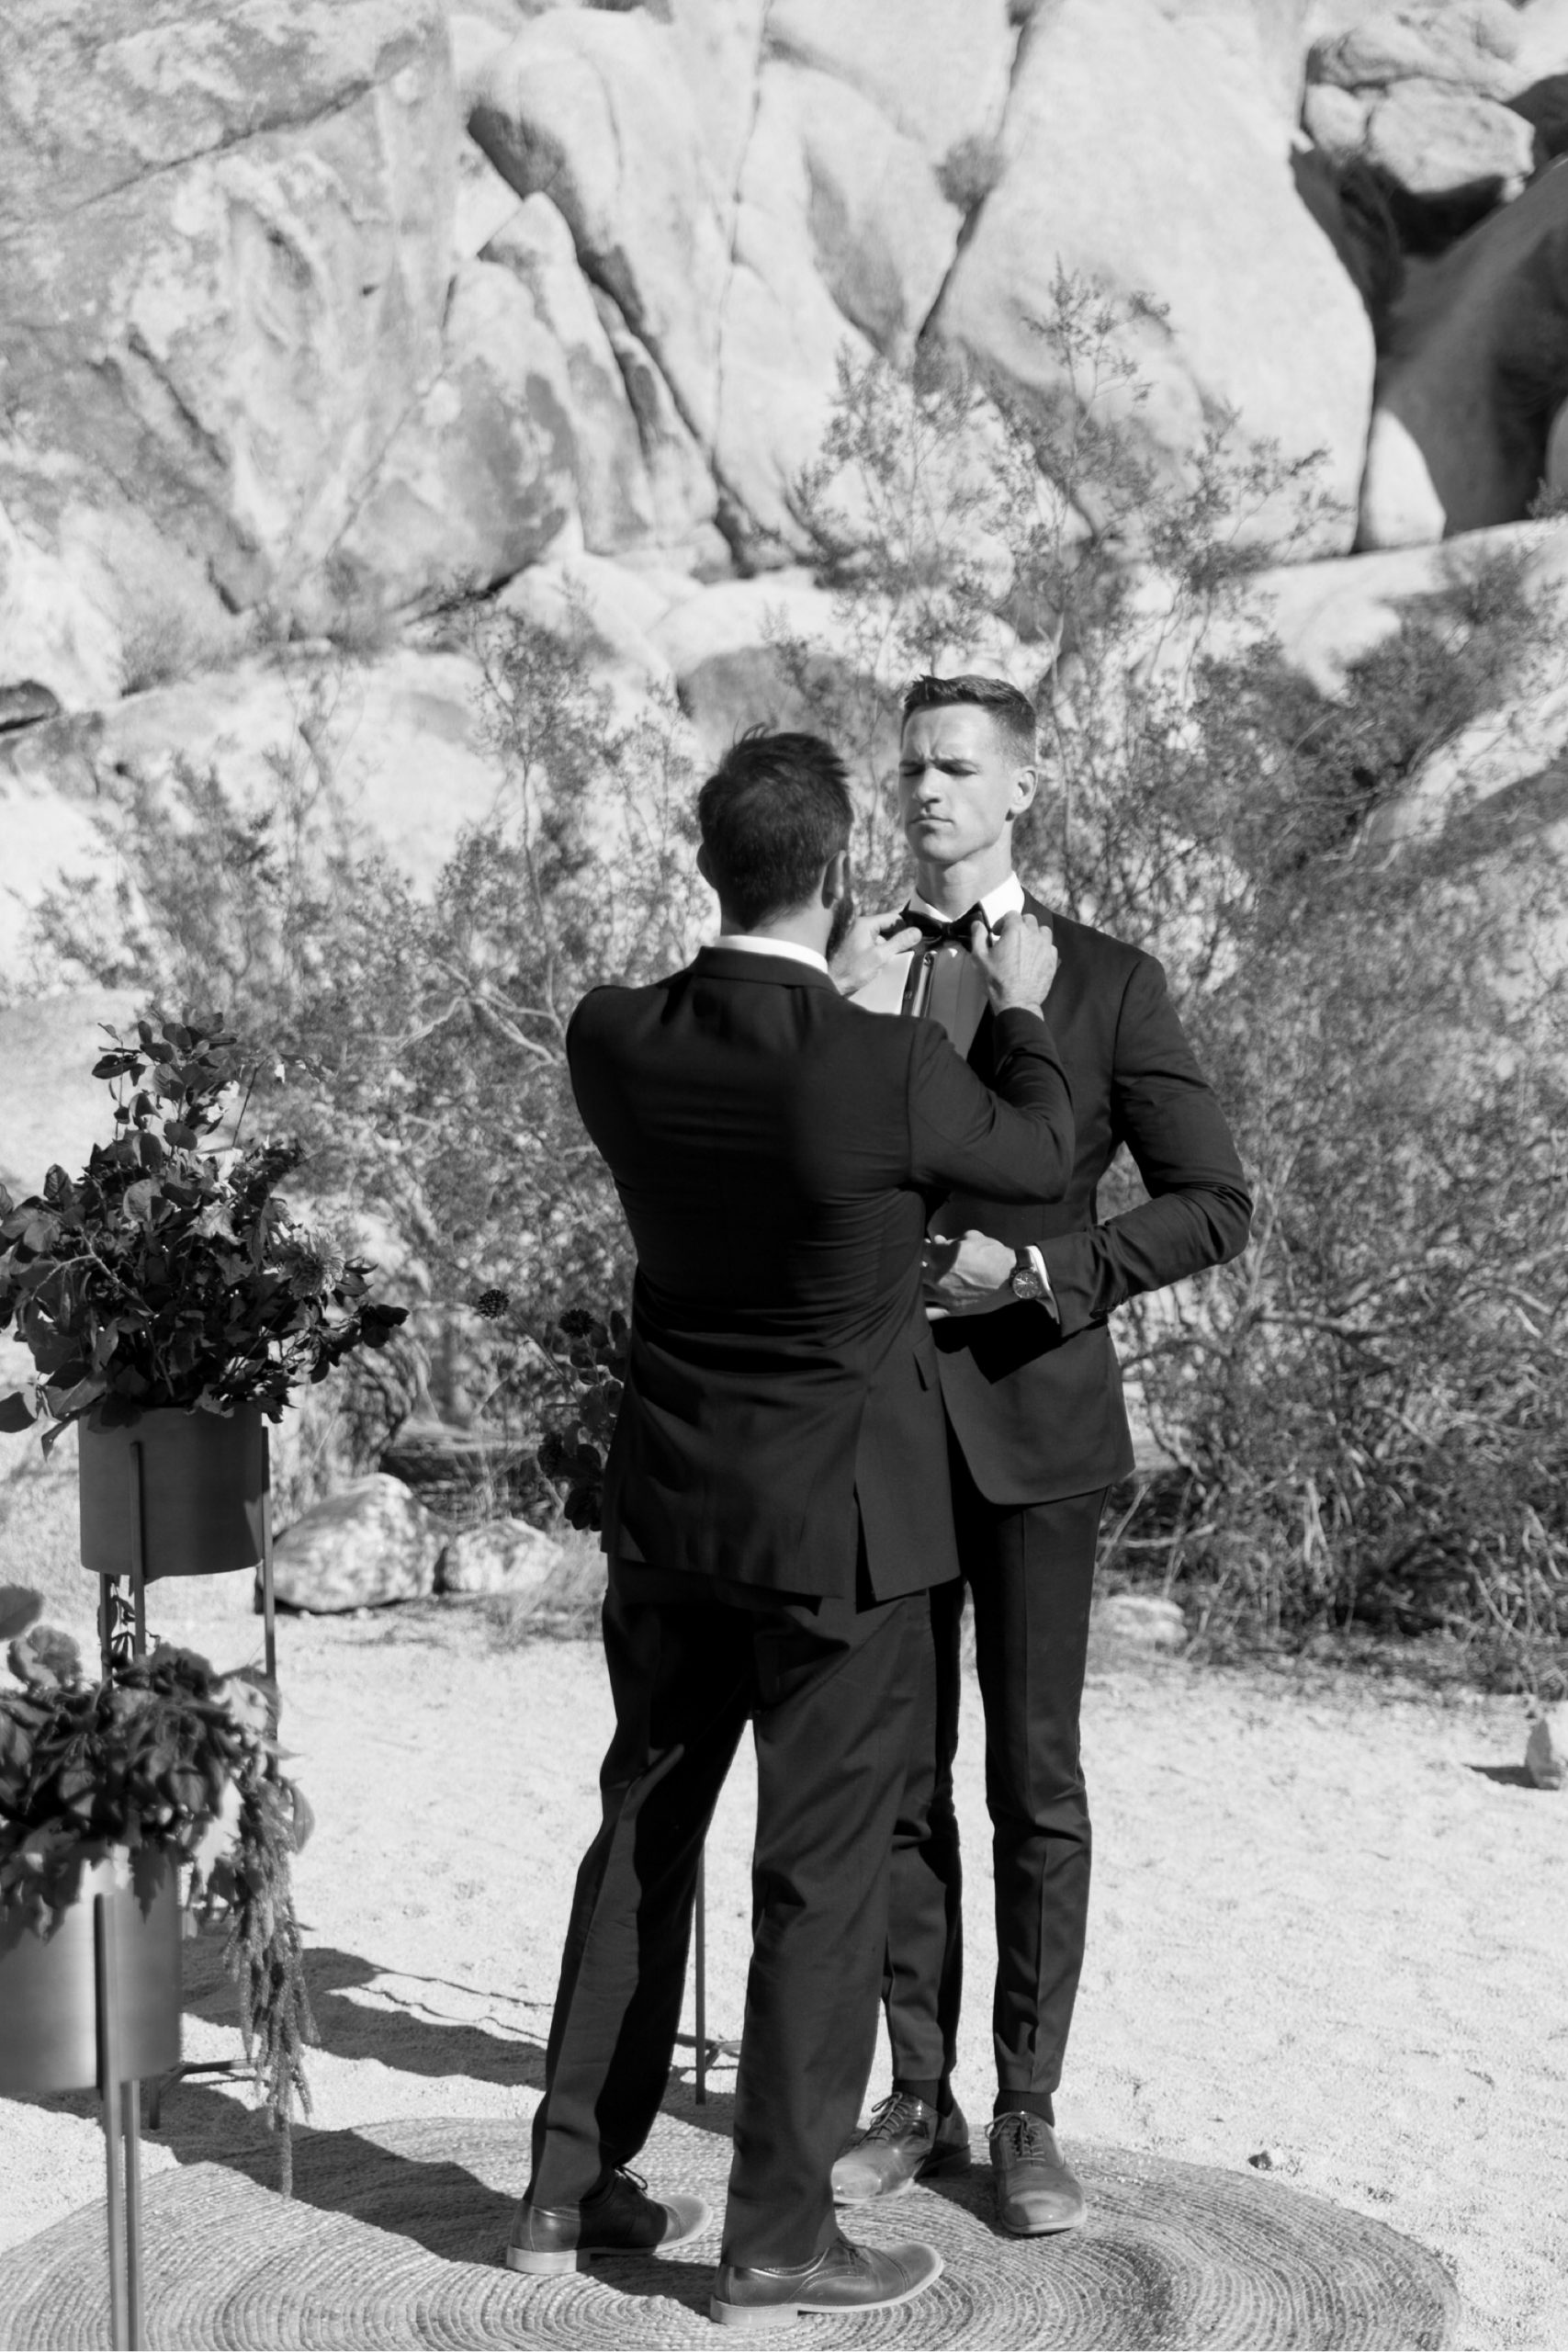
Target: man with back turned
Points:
(776, 1513)
(1022, 1293)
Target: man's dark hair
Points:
(771, 814)
(1014, 712)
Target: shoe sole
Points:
(553, 2264)
(758, 2316)
(956, 2160)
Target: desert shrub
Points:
(1370, 1409)
(420, 1039)
(969, 171)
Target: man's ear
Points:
(1025, 785)
(835, 879)
(705, 868)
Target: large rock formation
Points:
(223, 286)
(286, 352)
(1259, 314)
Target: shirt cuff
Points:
(1036, 1259)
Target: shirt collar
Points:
(1006, 898)
(748, 943)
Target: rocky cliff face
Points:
(310, 307)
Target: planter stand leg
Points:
(269, 1612)
(130, 2097)
(121, 2114)
(137, 1559)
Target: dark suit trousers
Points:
(1029, 1572)
(831, 1690)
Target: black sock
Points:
(1025, 2103)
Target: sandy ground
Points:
(1330, 1923)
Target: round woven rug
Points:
(393, 2235)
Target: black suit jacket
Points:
(1036, 1405)
(777, 1151)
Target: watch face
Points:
(1026, 1283)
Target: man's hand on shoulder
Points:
(1019, 963)
(872, 943)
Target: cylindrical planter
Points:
(202, 1482)
(49, 2021)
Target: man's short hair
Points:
(773, 812)
(1014, 712)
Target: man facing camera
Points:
(1020, 1293)
(776, 1511)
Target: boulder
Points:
(614, 496)
(56, 1110)
(1542, 48)
(595, 111)
(1433, 141)
(719, 645)
(1469, 44)
(1475, 369)
(399, 733)
(842, 241)
(25, 705)
(225, 268)
(1546, 1751)
(480, 477)
(1194, 204)
(499, 1556)
(936, 70)
(371, 1542)
(1144, 1618)
(744, 247)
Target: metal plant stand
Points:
(122, 2141)
(122, 1635)
(707, 2047)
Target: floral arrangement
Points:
(171, 1272)
(168, 1758)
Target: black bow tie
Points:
(936, 930)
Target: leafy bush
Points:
(423, 1039)
(170, 1273)
(1371, 1409)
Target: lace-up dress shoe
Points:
(1036, 2194)
(905, 2140)
(843, 2279)
(619, 2218)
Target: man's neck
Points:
(807, 927)
(953, 890)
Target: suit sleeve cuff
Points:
(1037, 1260)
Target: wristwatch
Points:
(1026, 1280)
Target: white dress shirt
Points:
(750, 943)
(885, 994)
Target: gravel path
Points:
(1329, 1927)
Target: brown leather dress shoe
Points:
(905, 2140)
(619, 2218)
(844, 2277)
(1036, 2194)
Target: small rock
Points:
(26, 704)
(1146, 1618)
(1546, 1751)
(499, 1556)
(370, 1542)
